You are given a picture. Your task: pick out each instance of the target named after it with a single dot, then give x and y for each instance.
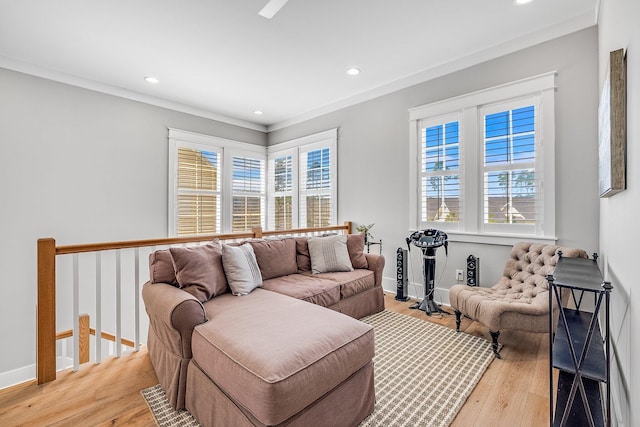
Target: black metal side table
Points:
(369, 243)
(578, 349)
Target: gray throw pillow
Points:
(241, 268)
(199, 270)
(275, 257)
(161, 269)
(355, 246)
(329, 254)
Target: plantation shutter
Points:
(440, 193)
(282, 192)
(505, 162)
(510, 191)
(198, 192)
(248, 193)
(318, 180)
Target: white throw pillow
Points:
(329, 254)
(241, 268)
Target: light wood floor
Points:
(513, 391)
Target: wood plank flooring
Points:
(512, 392)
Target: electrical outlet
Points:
(459, 275)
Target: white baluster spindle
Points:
(136, 298)
(76, 313)
(118, 343)
(98, 307)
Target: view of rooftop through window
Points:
(509, 164)
(317, 184)
(282, 203)
(441, 164)
(248, 192)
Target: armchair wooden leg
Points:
(458, 315)
(494, 343)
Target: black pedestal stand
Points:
(428, 305)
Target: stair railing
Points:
(48, 252)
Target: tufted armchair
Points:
(520, 300)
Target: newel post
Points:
(46, 312)
(257, 231)
(349, 226)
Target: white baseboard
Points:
(28, 373)
(441, 294)
(17, 376)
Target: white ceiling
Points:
(220, 59)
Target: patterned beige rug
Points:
(423, 374)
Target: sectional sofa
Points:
(264, 332)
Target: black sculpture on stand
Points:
(429, 241)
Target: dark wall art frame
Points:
(612, 117)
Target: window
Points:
(218, 185)
(215, 185)
(248, 193)
(440, 170)
(509, 170)
(302, 184)
(481, 163)
(282, 195)
(316, 188)
(198, 191)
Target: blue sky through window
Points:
(442, 149)
(441, 165)
(509, 138)
(212, 157)
(247, 174)
(318, 169)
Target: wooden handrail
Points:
(255, 233)
(46, 309)
(346, 228)
(107, 246)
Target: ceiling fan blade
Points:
(271, 8)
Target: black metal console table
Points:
(577, 349)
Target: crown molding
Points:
(69, 79)
(577, 23)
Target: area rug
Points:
(423, 374)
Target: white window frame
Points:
(228, 149)
(227, 183)
(537, 164)
(271, 193)
(426, 123)
(295, 148)
(471, 228)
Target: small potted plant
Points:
(365, 229)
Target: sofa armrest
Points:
(376, 264)
(173, 313)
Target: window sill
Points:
(498, 239)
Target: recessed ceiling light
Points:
(353, 71)
(257, 113)
(151, 79)
(521, 2)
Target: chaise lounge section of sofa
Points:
(288, 351)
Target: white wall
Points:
(619, 27)
(373, 148)
(78, 166)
